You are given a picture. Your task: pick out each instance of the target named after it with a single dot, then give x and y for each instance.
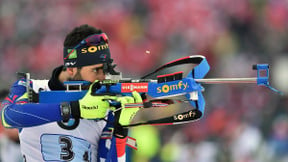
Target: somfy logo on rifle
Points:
(185, 116)
(173, 87)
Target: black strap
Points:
(181, 118)
(184, 60)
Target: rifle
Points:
(163, 89)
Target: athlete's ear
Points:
(71, 71)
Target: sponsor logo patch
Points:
(130, 87)
(185, 116)
(93, 49)
(22, 82)
(173, 87)
(70, 63)
(73, 55)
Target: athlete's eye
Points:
(97, 69)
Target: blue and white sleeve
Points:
(18, 113)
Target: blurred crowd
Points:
(243, 123)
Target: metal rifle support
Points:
(262, 78)
(27, 85)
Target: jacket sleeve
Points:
(17, 112)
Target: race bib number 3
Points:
(55, 147)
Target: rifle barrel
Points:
(206, 81)
(226, 80)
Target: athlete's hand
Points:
(91, 106)
(125, 115)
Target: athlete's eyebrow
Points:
(98, 68)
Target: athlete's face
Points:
(89, 73)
